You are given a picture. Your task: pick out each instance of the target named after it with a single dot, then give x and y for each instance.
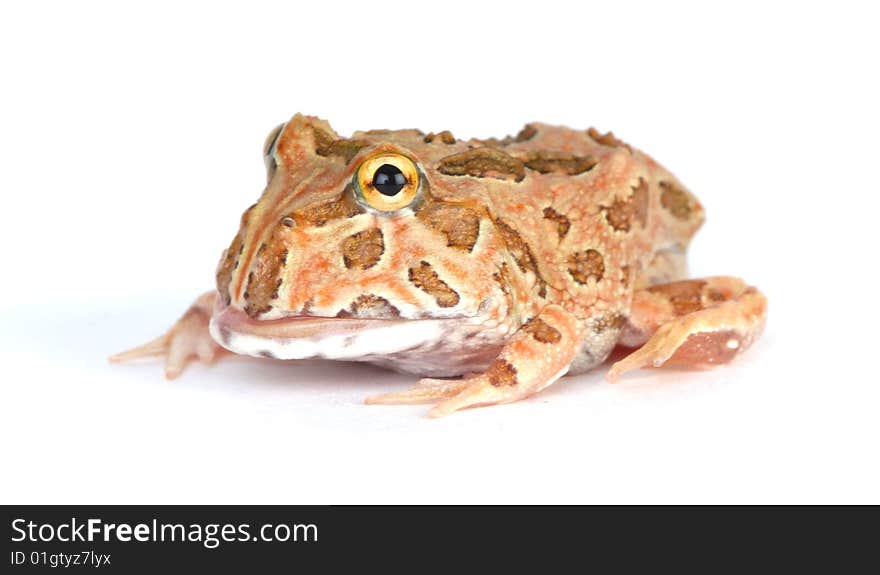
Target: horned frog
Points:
(509, 262)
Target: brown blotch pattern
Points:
(607, 139)
(619, 215)
(542, 331)
(501, 373)
(460, 224)
(425, 278)
(640, 201)
(563, 224)
(585, 265)
(363, 249)
(227, 265)
(522, 253)
(278, 283)
(527, 133)
(675, 200)
(481, 163)
(320, 214)
(445, 136)
(547, 162)
(323, 139)
(232, 257)
(502, 276)
(608, 321)
(685, 296)
(370, 306)
(264, 278)
(327, 145)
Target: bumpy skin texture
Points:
(518, 260)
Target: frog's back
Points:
(599, 217)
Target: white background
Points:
(130, 141)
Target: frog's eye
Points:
(269, 150)
(387, 182)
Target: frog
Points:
(490, 268)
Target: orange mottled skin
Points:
(515, 262)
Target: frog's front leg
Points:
(538, 354)
(188, 338)
(698, 322)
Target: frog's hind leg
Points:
(187, 339)
(697, 322)
(538, 354)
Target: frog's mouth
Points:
(300, 337)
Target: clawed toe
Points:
(151, 349)
(449, 395)
(187, 340)
(477, 393)
(425, 391)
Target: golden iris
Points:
(387, 182)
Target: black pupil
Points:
(389, 180)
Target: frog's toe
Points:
(701, 323)
(653, 354)
(449, 394)
(188, 339)
(478, 391)
(149, 349)
(180, 351)
(425, 391)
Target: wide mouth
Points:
(233, 320)
(300, 337)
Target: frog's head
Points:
(364, 246)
